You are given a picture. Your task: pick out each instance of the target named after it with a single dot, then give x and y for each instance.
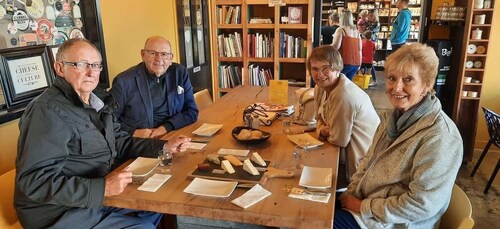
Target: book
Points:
(294, 15)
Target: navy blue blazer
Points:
(135, 108)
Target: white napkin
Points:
(252, 196)
(154, 182)
(196, 145)
(311, 197)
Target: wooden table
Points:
(276, 210)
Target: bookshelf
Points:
(252, 42)
(387, 13)
(473, 55)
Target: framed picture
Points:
(25, 73)
(294, 15)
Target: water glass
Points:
(298, 157)
(287, 125)
(166, 158)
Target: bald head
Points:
(157, 55)
(62, 52)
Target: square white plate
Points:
(305, 140)
(314, 177)
(234, 152)
(212, 188)
(142, 166)
(207, 129)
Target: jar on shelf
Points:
(478, 4)
(487, 4)
(479, 19)
(477, 34)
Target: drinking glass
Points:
(287, 125)
(166, 158)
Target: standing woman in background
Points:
(348, 41)
(373, 24)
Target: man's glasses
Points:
(163, 55)
(325, 69)
(84, 65)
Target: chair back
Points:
(203, 99)
(493, 122)
(459, 212)
(8, 216)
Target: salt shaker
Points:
(255, 121)
(248, 120)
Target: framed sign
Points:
(25, 73)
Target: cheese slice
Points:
(233, 160)
(257, 159)
(227, 166)
(248, 166)
(213, 158)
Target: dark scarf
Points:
(401, 121)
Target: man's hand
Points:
(116, 182)
(350, 202)
(158, 132)
(143, 133)
(178, 144)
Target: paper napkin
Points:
(311, 197)
(252, 196)
(154, 182)
(196, 145)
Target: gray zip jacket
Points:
(408, 184)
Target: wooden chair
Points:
(203, 99)
(459, 212)
(8, 217)
(493, 123)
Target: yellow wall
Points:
(490, 91)
(8, 145)
(127, 24)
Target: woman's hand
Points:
(178, 144)
(350, 202)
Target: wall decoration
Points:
(25, 73)
(26, 26)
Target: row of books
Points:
(260, 45)
(292, 47)
(228, 15)
(259, 76)
(229, 76)
(229, 45)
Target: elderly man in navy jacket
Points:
(155, 96)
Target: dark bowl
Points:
(237, 130)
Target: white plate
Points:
(304, 140)
(234, 152)
(142, 166)
(207, 129)
(314, 177)
(213, 188)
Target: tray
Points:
(240, 175)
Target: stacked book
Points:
(292, 47)
(259, 76)
(229, 76)
(228, 15)
(229, 45)
(260, 45)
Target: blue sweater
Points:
(401, 27)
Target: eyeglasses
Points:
(163, 55)
(84, 65)
(325, 69)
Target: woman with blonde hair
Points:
(362, 21)
(348, 41)
(373, 24)
(406, 179)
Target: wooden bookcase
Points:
(387, 14)
(292, 69)
(466, 107)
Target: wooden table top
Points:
(276, 210)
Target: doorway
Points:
(195, 42)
